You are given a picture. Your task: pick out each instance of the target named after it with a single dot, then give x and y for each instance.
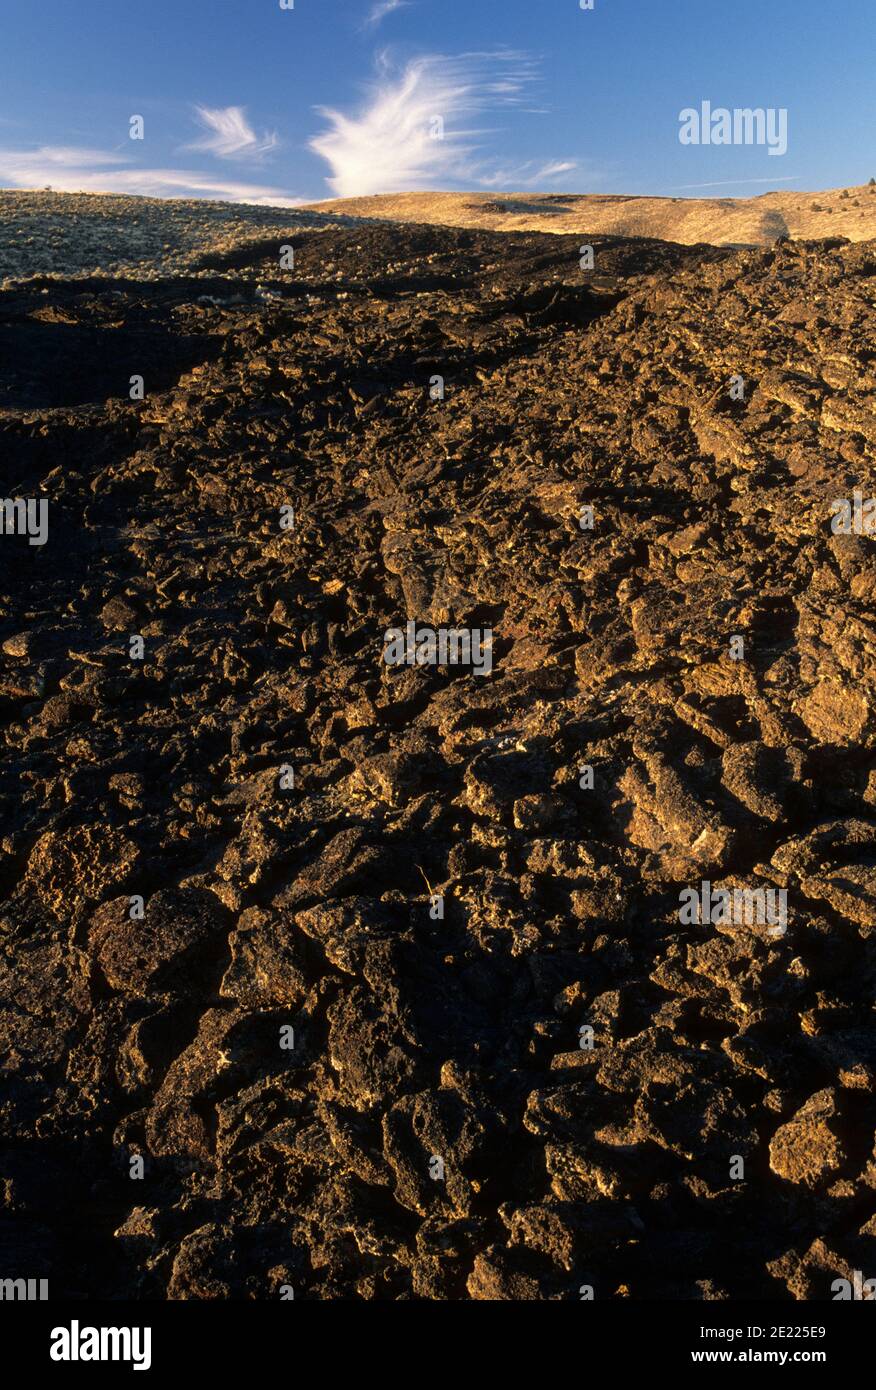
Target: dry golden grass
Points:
(758, 221)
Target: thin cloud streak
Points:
(70, 169)
(528, 175)
(382, 10)
(730, 183)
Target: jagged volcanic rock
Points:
(235, 973)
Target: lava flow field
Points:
(359, 980)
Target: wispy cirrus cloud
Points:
(410, 133)
(76, 169)
(229, 134)
(729, 183)
(381, 10)
(531, 174)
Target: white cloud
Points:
(56, 158)
(391, 146)
(229, 134)
(729, 183)
(70, 169)
(531, 174)
(553, 171)
(381, 9)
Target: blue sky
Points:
(243, 100)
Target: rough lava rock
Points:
(410, 1011)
